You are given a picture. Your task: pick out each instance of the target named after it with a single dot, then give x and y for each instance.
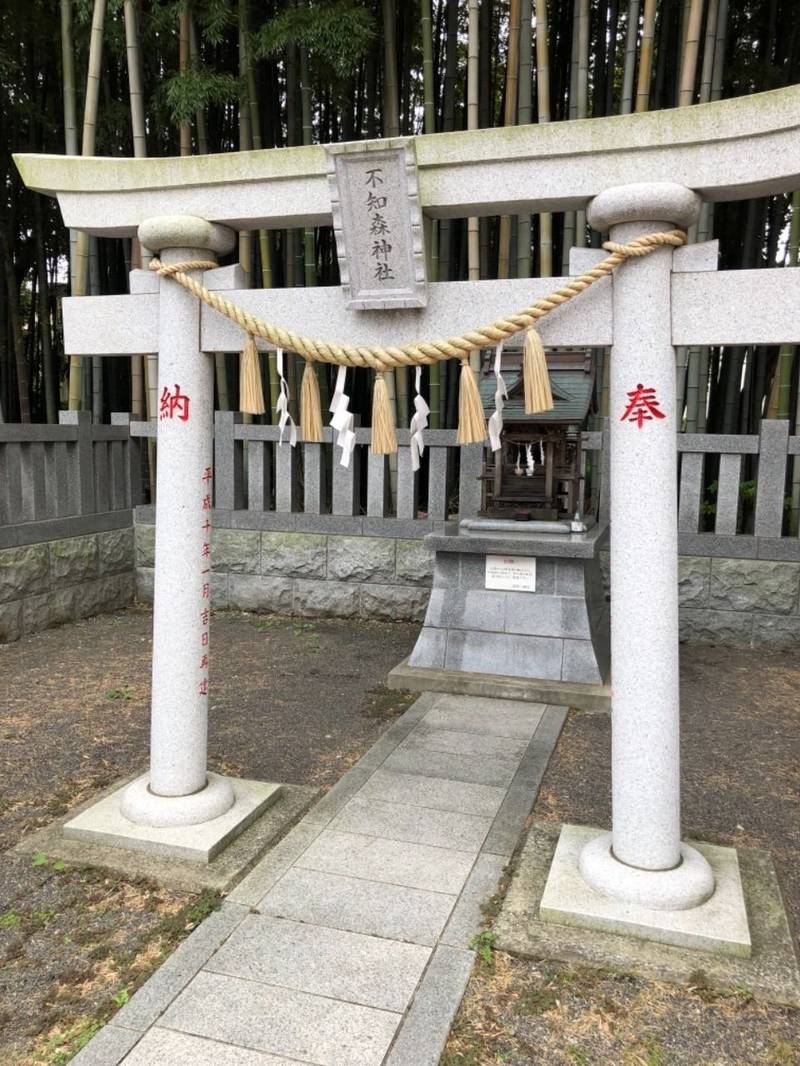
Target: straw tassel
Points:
(310, 406)
(538, 396)
(384, 437)
(251, 393)
(471, 424)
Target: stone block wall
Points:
(309, 574)
(57, 581)
(746, 602)
(723, 601)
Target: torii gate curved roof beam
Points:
(727, 150)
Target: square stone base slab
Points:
(103, 823)
(771, 973)
(221, 874)
(501, 686)
(718, 925)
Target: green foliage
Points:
(196, 89)
(122, 693)
(338, 32)
(121, 997)
(483, 943)
(40, 859)
(9, 920)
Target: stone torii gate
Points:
(636, 174)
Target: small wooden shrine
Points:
(536, 473)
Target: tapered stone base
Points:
(104, 823)
(718, 925)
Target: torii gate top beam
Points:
(728, 150)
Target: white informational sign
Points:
(514, 573)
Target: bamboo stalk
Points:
(630, 57)
(524, 117)
(543, 109)
(691, 45)
(185, 129)
(509, 119)
(646, 57)
(87, 148)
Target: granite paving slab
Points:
(283, 1022)
(440, 794)
(481, 770)
(164, 1047)
(429, 738)
(420, 825)
(392, 861)
(340, 902)
(479, 714)
(327, 962)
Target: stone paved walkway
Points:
(348, 944)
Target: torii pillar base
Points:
(104, 823)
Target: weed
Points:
(483, 943)
(9, 920)
(783, 1052)
(537, 1000)
(121, 998)
(577, 1054)
(124, 692)
(174, 926)
(40, 859)
(62, 1046)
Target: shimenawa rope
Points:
(381, 359)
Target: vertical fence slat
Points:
(377, 484)
(287, 487)
(730, 473)
(437, 482)
(406, 484)
(228, 464)
(81, 474)
(257, 480)
(12, 479)
(604, 495)
(691, 487)
(469, 485)
(313, 479)
(345, 480)
(101, 476)
(771, 481)
(28, 508)
(119, 476)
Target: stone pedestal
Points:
(549, 644)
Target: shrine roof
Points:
(571, 381)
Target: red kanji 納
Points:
(174, 403)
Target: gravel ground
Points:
(293, 701)
(741, 786)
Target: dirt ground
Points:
(741, 787)
(293, 700)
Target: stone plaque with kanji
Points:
(377, 222)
